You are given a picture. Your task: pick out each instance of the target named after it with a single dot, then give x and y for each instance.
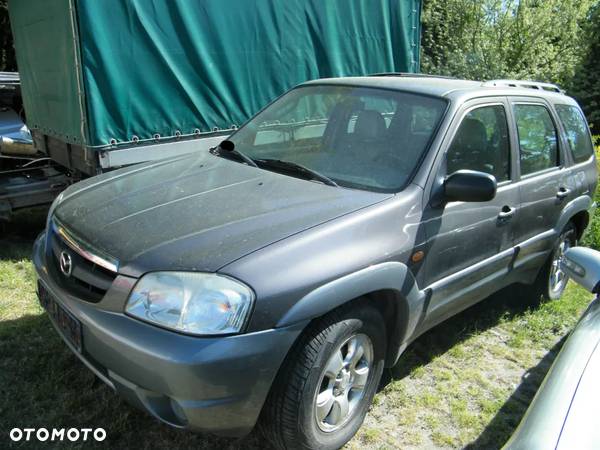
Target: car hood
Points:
(197, 213)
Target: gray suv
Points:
(271, 279)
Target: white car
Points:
(564, 413)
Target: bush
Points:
(592, 238)
(585, 84)
(7, 52)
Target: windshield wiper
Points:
(292, 167)
(229, 147)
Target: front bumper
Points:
(215, 385)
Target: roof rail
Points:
(525, 84)
(410, 75)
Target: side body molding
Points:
(393, 277)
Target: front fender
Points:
(389, 276)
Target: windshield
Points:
(358, 137)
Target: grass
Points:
(466, 383)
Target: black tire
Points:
(542, 286)
(289, 419)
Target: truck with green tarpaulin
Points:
(108, 83)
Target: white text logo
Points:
(57, 434)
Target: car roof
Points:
(451, 88)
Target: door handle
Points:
(563, 192)
(506, 213)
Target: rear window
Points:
(577, 132)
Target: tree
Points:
(586, 83)
(486, 39)
(7, 52)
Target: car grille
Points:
(87, 281)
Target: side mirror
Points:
(469, 186)
(582, 265)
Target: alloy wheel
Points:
(558, 278)
(343, 383)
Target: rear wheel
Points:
(557, 278)
(323, 392)
(552, 280)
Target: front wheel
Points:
(323, 392)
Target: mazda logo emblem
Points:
(66, 264)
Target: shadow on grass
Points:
(504, 423)
(506, 304)
(25, 224)
(503, 305)
(17, 236)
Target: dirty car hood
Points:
(199, 212)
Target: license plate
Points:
(67, 324)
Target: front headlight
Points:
(191, 302)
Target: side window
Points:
(538, 140)
(481, 143)
(577, 132)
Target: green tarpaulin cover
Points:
(97, 70)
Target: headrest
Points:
(369, 125)
(472, 135)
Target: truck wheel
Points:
(552, 280)
(321, 396)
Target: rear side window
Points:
(576, 129)
(538, 140)
(481, 143)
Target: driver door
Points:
(471, 244)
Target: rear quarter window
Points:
(576, 130)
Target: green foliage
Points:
(486, 39)
(586, 83)
(7, 51)
(592, 237)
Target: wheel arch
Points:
(390, 286)
(576, 212)
(581, 220)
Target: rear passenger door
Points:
(472, 243)
(544, 179)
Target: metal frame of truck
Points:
(114, 83)
(28, 179)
